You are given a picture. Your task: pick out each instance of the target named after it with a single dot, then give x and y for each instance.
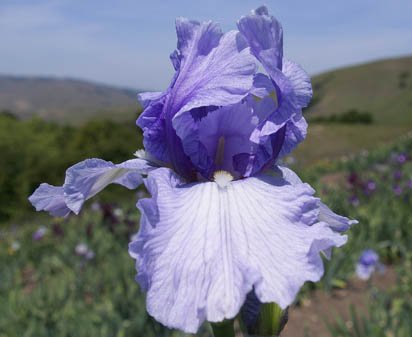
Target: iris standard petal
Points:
(296, 130)
(202, 248)
(215, 68)
(300, 80)
(264, 34)
(86, 179)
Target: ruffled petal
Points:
(215, 68)
(336, 222)
(201, 248)
(264, 34)
(296, 130)
(51, 199)
(86, 179)
(300, 80)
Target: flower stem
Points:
(224, 329)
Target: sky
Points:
(127, 43)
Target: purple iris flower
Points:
(397, 175)
(397, 190)
(354, 200)
(369, 187)
(223, 219)
(401, 158)
(39, 233)
(367, 264)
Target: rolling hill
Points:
(383, 89)
(65, 100)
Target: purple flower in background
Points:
(370, 187)
(58, 230)
(354, 200)
(397, 190)
(367, 264)
(224, 219)
(39, 233)
(90, 255)
(409, 183)
(402, 158)
(397, 175)
(353, 179)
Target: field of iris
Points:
(74, 277)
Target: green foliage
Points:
(389, 312)
(351, 116)
(48, 290)
(35, 151)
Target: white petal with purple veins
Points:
(201, 247)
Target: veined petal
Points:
(264, 34)
(302, 86)
(86, 179)
(296, 130)
(215, 68)
(146, 98)
(336, 222)
(202, 248)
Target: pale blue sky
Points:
(127, 43)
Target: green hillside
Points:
(65, 100)
(382, 89)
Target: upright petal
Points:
(215, 68)
(152, 122)
(202, 248)
(265, 37)
(300, 80)
(84, 180)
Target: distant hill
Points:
(65, 100)
(383, 89)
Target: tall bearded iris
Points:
(223, 220)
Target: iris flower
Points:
(224, 220)
(367, 264)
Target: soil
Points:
(309, 319)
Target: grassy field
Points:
(53, 287)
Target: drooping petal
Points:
(51, 199)
(336, 222)
(86, 179)
(202, 248)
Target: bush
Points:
(36, 151)
(352, 116)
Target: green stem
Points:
(224, 329)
